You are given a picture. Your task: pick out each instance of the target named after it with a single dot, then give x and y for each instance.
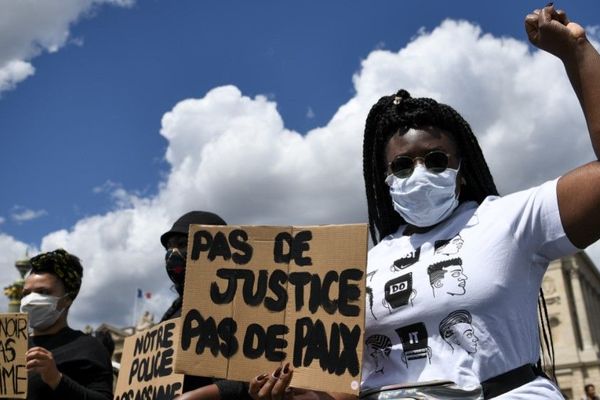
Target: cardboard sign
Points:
(257, 297)
(13, 346)
(147, 364)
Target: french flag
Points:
(141, 294)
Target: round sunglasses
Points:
(403, 166)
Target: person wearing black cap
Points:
(62, 363)
(175, 243)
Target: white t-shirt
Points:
(459, 302)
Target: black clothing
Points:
(84, 363)
(229, 390)
(174, 311)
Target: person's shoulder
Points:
(545, 187)
(384, 244)
(87, 342)
(76, 334)
(519, 198)
(174, 310)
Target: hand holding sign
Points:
(41, 361)
(274, 386)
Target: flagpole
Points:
(135, 303)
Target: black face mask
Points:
(175, 265)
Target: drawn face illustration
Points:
(378, 347)
(378, 356)
(464, 336)
(454, 280)
(458, 331)
(414, 341)
(452, 247)
(398, 291)
(447, 277)
(406, 261)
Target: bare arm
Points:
(579, 190)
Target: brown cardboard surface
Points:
(243, 368)
(209, 346)
(147, 363)
(333, 248)
(13, 346)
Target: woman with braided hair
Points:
(432, 200)
(427, 183)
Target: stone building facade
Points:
(572, 290)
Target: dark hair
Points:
(455, 317)
(398, 114)
(65, 266)
(380, 342)
(436, 271)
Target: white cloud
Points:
(120, 197)
(14, 72)
(77, 41)
(593, 31)
(21, 214)
(120, 252)
(28, 28)
(233, 155)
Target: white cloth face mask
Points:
(42, 309)
(424, 198)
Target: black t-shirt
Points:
(84, 363)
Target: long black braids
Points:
(397, 114)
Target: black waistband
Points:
(508, 381)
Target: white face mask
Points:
(424, 198)
(42, 310)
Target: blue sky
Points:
(81, 130)
(91, 113)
